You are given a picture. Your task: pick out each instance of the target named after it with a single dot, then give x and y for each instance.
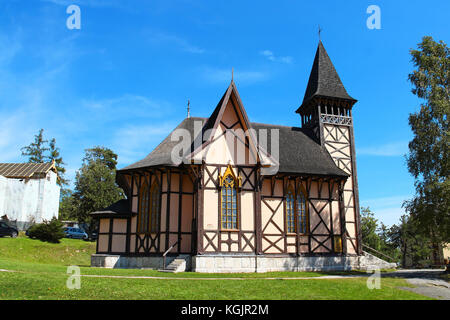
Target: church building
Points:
(244, 196)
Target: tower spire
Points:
(324, 81)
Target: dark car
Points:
(92, 236)
(6, 230)
(75, 233)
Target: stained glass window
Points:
(149, 208)
(302, 214)
(296, 213)
(229, 204)
(290, 212)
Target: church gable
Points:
(229, 140)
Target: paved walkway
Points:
(427, 282)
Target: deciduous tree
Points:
(428, 158)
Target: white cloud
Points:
(393, 149)
(127, 105)
(271, 56)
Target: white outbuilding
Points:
(28, 192)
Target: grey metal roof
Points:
(324, 81)
(298, 153)
(25, 170)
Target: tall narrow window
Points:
(296, 212)
(290, 212)
(143, 209)
(229, 203)
(302, 213)
(149, 209)
(154, 208)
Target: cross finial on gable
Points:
(232, 74)
(189, 109)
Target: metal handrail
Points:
(167, 251)
(381, 253)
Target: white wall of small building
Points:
(25, 199)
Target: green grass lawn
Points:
(41, 273)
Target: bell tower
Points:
(326, 112)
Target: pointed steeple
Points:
(324, 81)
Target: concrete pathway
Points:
(427, 282)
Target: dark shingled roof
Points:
(119, 209)
(298, 152)
(25, 170)
(324, 81)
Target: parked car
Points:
(92, 236)
(6, 230)
(75, 233)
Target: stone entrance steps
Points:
(179, 264)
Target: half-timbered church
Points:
(276, 198)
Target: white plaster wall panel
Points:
(350, 248)
(210, 210)
(103, 243)
(164, 185)
(313, 192)
(336, 217)
(132, 243)
(268, 225)
(213, 236)
(118, 243)
(134, 224)
(209, 183)
(104, 225)
(277, 245)
(120, 226)
(247, 210)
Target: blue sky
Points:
(124, 79)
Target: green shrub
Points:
(50, 231)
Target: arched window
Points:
(229, 215)
(296, 212)
(149, 209)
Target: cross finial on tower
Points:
(320, 31)
(189, 109)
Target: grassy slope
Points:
(42, 275)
